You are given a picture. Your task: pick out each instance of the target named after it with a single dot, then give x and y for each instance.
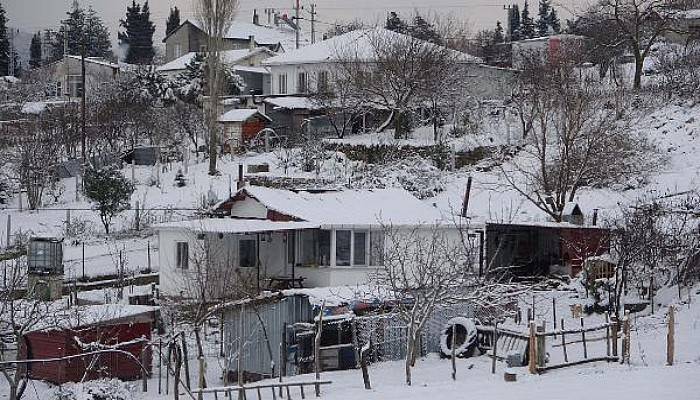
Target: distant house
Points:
(241, 125)
(247, 63)
(685, 27)
(189, 37)
(546, 47)
(328, 238)
(66, 75)
(85, 328)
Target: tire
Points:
(465, 340)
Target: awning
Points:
(231, 225)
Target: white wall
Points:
(248, 208)
(292, 72)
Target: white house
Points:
(328, 238)
(299, 72)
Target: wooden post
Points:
(239, 361)
(454, 352)
(533, 349)
(583, 340)
(607, 334)
(167, 369)
(363, 364)
(187, 364)
(495, 345)
(670, 336)
(160, 366)
(178, 365)
(615, 325)
(554, 313)
(626, 345)
(563, 341)
(541, 347)
(144, 374)
(317, 350)
(281, 359)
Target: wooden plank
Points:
(563, 341)
(583, 339)
(575, 330)
(574, 363)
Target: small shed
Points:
(143, 155)
(89, 328)
(242, 124)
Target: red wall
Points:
(58, 343)
(578, 244)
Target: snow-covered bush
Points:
(112, 389)
(414, 174)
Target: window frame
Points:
(254, 244)
(282, 83)
(182, 255)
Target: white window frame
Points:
(181, 262)
(282, 83)
(302, 82)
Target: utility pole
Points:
(82, 100)
(296, 22)
(11, 65)
(313, 23)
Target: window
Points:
(75, 85)
(247, 253)
(359, 253)
(324, 247)
(178, 50)
(182, 254)
(302, 82)
(342, 248)
(376, 248)
(291, 247)
(322, 81)
(203, 49)
(282, 84)
(314, 247)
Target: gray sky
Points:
(33, 15)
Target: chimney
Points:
(251, 42)
(256, 17)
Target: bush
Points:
(112, 389)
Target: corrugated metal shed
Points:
(264, 324)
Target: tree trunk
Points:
(638, 69)
(200, 357)
(397, 124)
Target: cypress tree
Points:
(173, 21)
(514, 22)
(138, 34)
(498, 36)
(554, 22)
(543, 18)
(527, 25)
(4, 45)
(82, 29)
(35, 51)
(395, 23)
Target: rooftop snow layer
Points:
(358, 43)
(230, 225)
(263, 35)
(349, 207)
(292, 103)
(229, 57)
(241, 114)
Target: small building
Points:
(87, 328)
(546, 47)
(326, 238)
(241, 125)
(66, 75)
(542, 248)
(685, 27)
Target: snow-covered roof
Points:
(83, 316)
(292, 103)
(96, 60)
(230, 57)
(241, 114)
(349, 207)
(38, 107)
(231, 225)
(357, 42)
(262, 34)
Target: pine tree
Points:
(138, 36)
(4, 45)
(543, 18)
(498, 36)
(527, 25)
(422, 29)
(514, 21)
(173, 21)
(86, 33)
(554, 22)
(395, 23)
(35, 51)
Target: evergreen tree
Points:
(554, 22)
(138, 36)
(173, 21)
(35, 51)
(498, 36)
(86, 33)
(395, 23)
(514, 21)
(527, 25)
(422, 29)
(543, 17)
(4, 45)
(109, 191)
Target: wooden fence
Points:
(282, 387)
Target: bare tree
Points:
(641, 23)
(335, 96)
(575, 135)
(431, 266)
(393, 71)
(18, 316)
(215, 17)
